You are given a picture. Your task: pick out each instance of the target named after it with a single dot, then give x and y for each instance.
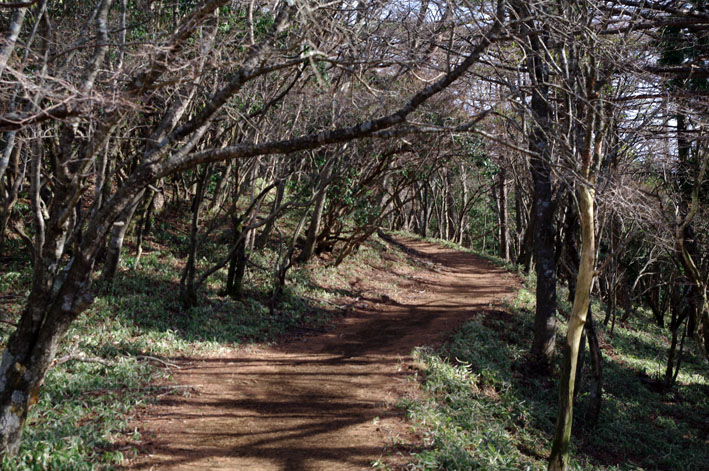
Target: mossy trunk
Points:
(53, 304)
(559, 459)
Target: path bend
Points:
(326, 402)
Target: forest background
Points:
(566, 137)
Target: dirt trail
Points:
(325, 402)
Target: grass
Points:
(482, 411)
(85, 407)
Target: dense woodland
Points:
(567, 137)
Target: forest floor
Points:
(325, 400)
(409, 356)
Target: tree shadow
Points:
(636, 425)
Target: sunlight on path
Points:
(324, 403)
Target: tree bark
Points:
(540, 163)
(559, 459)
(545, 316)
(316, 218)
(503, 216)
(237, 264)
(262, 239)
(450, 207)
(13, 31)
(115, 242)
(143, 225)
(596, 394)
(188, 292)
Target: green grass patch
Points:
(482, 411)
(84, 406)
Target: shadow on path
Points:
(324, 402)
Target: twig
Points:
(166, 363)
(173, 389)
(81, 358)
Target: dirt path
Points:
(325, 402)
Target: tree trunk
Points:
(25, 362)
(144, 224)
(683, 303)
(450, 208)
(11, 194)
(545, 316)
(221, 192)
(425, 210)
(559, 459)
(57, 297)
(596, 393)
(502, 194)
(262, 239)
(115, 242)
(237, 264)
(527, 244)
(612, 295)
(7, 151)
(13, 31)
(316, 218)
(188, 292)
(283, 266)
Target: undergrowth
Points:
(120, 348)
(482, 410)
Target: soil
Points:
(325, 401)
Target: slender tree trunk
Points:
(237, 264)
(450, 206)
(284, 265)
(7, 151)
(671, 352)
(144, 224)
(425, 210)
(221, 192)
(527, 245)
(11, 194)
(484, 233)
(502, 195)
(612, 294)
(115, 242)
(519, 230)
(596, 389)
(8, 44)
(559, 459)
(462, 220)
(679, 355)
(545, 317)
(540, 163)
(188, 292)
(262, 239)
(316, 218)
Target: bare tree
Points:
(88, 103)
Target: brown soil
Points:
(323, 402)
